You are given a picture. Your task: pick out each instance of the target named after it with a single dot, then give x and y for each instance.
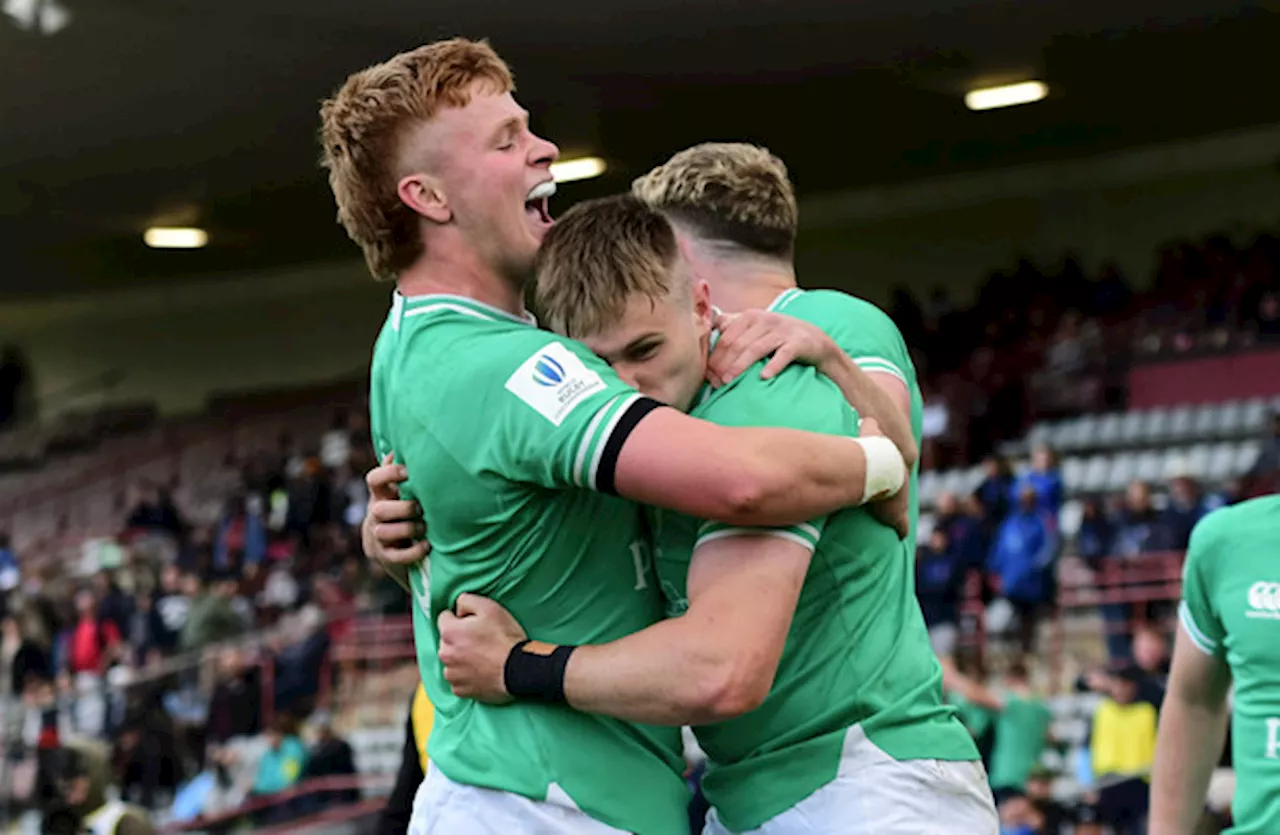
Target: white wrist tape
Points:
(886, 469)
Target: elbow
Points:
(728, 690)
(745, 501)
(752, 495)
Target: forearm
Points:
(866, 395)
(750, 476)
(1187, 748)
(663, 675)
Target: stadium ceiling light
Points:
(175, 237)
(582, 168)
(1006, 95)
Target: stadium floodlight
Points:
(582, 168)
(45, 17)
(1006, 95)
(175, 237)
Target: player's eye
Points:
(643, 352)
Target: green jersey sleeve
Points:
(864, 332)
(1197, 611)
(797, 398)
(537, 408)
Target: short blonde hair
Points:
(365, 120)
(596, 257)
(727, 191)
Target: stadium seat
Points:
(1180, 424)
(924, 527)
(1155, 426)
(1109, 430)
(1197, 461)
(1149, 466)
(1230, 419)
(1222, 459)
(1131, 428)
(1123, 467)
(1175, 462)
(1206, 417)
(928, 487)
(1097, 469)
(1256, 417)
(1073, 472)
(1246, 456)
(1069, 518)
(1087, 432)
(1041, 433)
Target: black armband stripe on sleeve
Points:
(627, 422)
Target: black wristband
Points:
(535, 671)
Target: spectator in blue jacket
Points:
(940, 576)
(1045, 478)
(1186, 507)
(1095, 541)
(1023, 559)
(994, 491)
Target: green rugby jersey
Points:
(1231, 609)
(858, 652)
(510, 435)
(873, 341)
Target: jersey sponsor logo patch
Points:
(1264, 601)
(553, 381)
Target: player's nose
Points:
(544, 152)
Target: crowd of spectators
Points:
(1040, 343)
(160, 647)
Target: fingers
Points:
(784, 356)
(404, 554)
(870, 427)
(735, 354)
(395, 510)
(384, 480)
(472, 604)
(391, 533)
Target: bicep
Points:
(1196, 676)
(894, 386)
(746, 587)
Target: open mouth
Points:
(537, 204)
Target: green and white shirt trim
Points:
(1197, 635)
(404, 306)
(804, 535)
(871, 364)
(586, 468)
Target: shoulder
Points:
(798, 397)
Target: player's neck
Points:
(756, 290)
(461, 276)
(739, 280)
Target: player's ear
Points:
(702, 309)
(425, 196)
